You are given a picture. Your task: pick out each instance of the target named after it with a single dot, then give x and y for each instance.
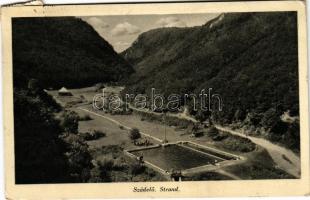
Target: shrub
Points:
(137, 168)
(85, 118)
(94, 135)
(70, 122)
(99, 174)
(95, 175)
(212, 131)
(78, 157)
(236, 143)
(98, 133)
(135, 134)
(209, 176)
(85, 175)
(279, 127)
(119, 164)
(201, 116)
(73, 138)
(106, 164)
(220, 137)
(198, 133)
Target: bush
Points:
(208, 176)
(73, 138)
(119, 164)
(94, 135)
(198, 133)
(279, 127)
(137, 168)
(98, 134)
(212, 131)
(85, 118)
(220, 137)
(236, 143)
(99, 174)
(78, 157)
(95, 175)
(70, 122)
(168, 120)
(135, 134)
(106, 164)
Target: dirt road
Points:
(284, 158)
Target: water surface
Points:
(175, 157)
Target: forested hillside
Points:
(41, 155)
(250, 59)
(55, 52)
(63, 51)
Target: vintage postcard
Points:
(183, 99)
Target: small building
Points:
(64, 92)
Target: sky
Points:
(122, 30)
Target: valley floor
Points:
(116, 129)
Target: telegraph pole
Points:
(165, 140)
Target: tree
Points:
(270, 118)
(70, 122)
(36, 134)
(279, 127)
(239, 115)
(202, 116)
(135, 134)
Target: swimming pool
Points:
(178, 157)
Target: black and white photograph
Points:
(174, 97)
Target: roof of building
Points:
(63, 90)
